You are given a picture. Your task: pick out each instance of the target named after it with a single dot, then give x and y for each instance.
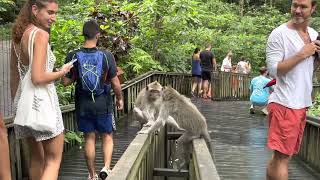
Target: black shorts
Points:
(196, 75)
(206, 75)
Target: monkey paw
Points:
(150, 123)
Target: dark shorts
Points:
(206, 75)
(100, 124)
(196, 75)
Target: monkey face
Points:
(154, 94)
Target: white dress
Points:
(24, 132)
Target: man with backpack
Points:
(94, 73)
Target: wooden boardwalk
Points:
(73, 165)
(240, 139)
(239, 145)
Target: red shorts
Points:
(286, 128)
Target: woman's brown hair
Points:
(26, 17)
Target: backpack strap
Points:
(107, 63)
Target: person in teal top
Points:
(259, 93)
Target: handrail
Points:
(202, 161)
(137, 79)
(310, 146)
(138, 161)
(315, 121)
(147, 75)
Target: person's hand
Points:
(119, 104)
(66, 67)
(308, 49)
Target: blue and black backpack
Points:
(91, 72)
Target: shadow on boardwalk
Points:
(239, 140)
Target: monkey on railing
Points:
(177, 110)
(147, 106)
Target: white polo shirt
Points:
(293, 90)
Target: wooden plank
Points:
(126, 164)
(170, 172)
(173, 135)
(203, 161)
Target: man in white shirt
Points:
(290, 50)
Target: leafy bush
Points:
(7, 11)
(74, 136)
(314, 110)
(5, 31)
(117, 27)
(140, 62)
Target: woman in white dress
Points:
(30, 30)
(226, 63)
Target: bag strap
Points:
(18, 55)
(106, 73)
(30, 46)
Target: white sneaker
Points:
(93, 178)
(104, 173)
(265, 111)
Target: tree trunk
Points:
(241, 5)
(271, 3)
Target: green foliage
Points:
(73, 136)
(64, 37)
(4, 4)
(315, 23)
(7, 10)
(5, 31)
(65, 94)
(140, 62)
(170, 30)
(117, 25)
(161, 35)
(66, 34)
(315, 108)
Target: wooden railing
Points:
(310, 147)
(202, 166)
(230, 86)
(143, 154)
(147, 157)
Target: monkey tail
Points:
(207, 138)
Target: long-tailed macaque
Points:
(147, 106)
(187, 116)
(147, 103)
